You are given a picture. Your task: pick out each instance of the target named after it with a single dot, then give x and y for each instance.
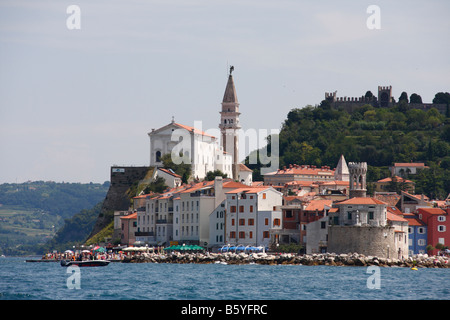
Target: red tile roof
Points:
(409, 164)
(130, 216)
(395, 217)
(193, 129)
(398, 179)
(432, 210)
(318, 205)
(362, 200)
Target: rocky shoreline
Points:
(328, 259)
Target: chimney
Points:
(218, 190)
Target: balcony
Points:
(144, 234)
(164, 221)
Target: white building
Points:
(198, 148)
(251, 214)
(182, 214)
(202, 150)
(172, 179)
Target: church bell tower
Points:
(229, 123)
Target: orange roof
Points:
(249, 189)
(409, 164)
(291, 198)
(301, 183)
(415, 222)
(169, 172)
(394, 210)
(432, 210)
(336, 182)
(304, 170)
(318, 205)
(362, 200)
(193, 129)
(130, 216)
(398, 179)
(395, 217)
(198, 186)
(234, 184)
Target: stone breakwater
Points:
(328, 259)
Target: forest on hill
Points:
(32, 213)
(318, 135)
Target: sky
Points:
(76, 101)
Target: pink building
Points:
(129, 227)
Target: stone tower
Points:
(384, 96)
(357, 172)
(229, 123)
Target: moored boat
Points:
(86, 263)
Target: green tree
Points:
(183, 169)
(403, 97)
(211, 175)
(415, 98)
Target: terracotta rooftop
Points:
(362, 200)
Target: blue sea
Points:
(20, 280)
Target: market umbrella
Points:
(68, 251)
(99, 249)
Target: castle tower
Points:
(384, 96)
(357, 171)
(229, 123)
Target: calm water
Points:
(42, 281)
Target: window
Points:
(232, 234)
(276, 222)
(441, 218)
(251, 208)
(250, 234)
(251, 222)
(349, 215)
(371, 215)
(421, 230)
(241, 235)
(421, 242)
(242, 222)
(241, 208)
(266, 234)
(233, 209)
(323, 225)
(441, 228)
(158, 156)
(289, 214)
(264, 196)
(232, 222)
(266, 221)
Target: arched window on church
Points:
(158, 156)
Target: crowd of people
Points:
(83, 256)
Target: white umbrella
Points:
(68, 251)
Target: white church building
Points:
(202, 150)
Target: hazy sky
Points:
(75, 102)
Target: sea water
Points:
(151, 281)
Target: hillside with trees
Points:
(31, 213)
(318, 135)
